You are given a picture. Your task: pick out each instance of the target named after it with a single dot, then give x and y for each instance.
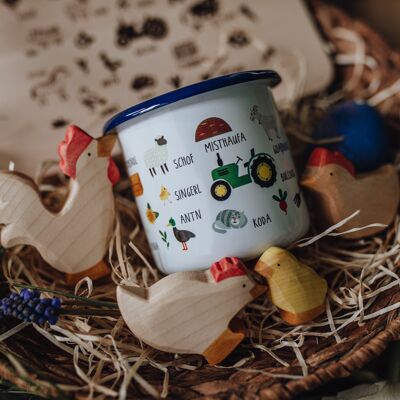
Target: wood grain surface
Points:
(189, 312)
(77, 238)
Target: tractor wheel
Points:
(263, 171)
(220, 190)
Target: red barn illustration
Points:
(211, 127)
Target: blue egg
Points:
(365, 141)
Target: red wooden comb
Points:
(70, 149)
(322, 156)
(227, 267)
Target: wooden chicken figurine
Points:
(296, 289)
(337, 193)
(76, 239)
(191, 312)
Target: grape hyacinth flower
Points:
(29, 307)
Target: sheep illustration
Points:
(268, 122)
(157, 156)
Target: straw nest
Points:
(97, 356)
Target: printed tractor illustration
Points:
(260, 170)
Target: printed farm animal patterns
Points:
(75, 240)
(192, 312)
(212, 172)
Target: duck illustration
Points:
(181, 235)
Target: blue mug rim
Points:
(189, 91)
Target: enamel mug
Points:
(211, 170)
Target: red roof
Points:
(210, 127)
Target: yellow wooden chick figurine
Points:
(296, 289)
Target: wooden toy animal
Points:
(337, 193)
(191, 312)
(75, 240)
(296, 289)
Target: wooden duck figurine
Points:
(76, 239)
(181, 235)
(296, 289)
(337, 193)
(191, 312)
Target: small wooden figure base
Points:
(226, 343)
(302, 317)
(100, 270)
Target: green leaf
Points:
(82, 299)
(284, 195)
(280, 193)
(276, 198)
(90, 312)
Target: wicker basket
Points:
(326, 361)
(36, 365)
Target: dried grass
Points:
(102, 359)
(97, 357)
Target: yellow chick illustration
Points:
(295, 288)
(164, 195)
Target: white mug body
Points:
(214, 177)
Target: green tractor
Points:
(260, 170)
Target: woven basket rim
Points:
(339, 369)
(385, 330)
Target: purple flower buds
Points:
(28, 306)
